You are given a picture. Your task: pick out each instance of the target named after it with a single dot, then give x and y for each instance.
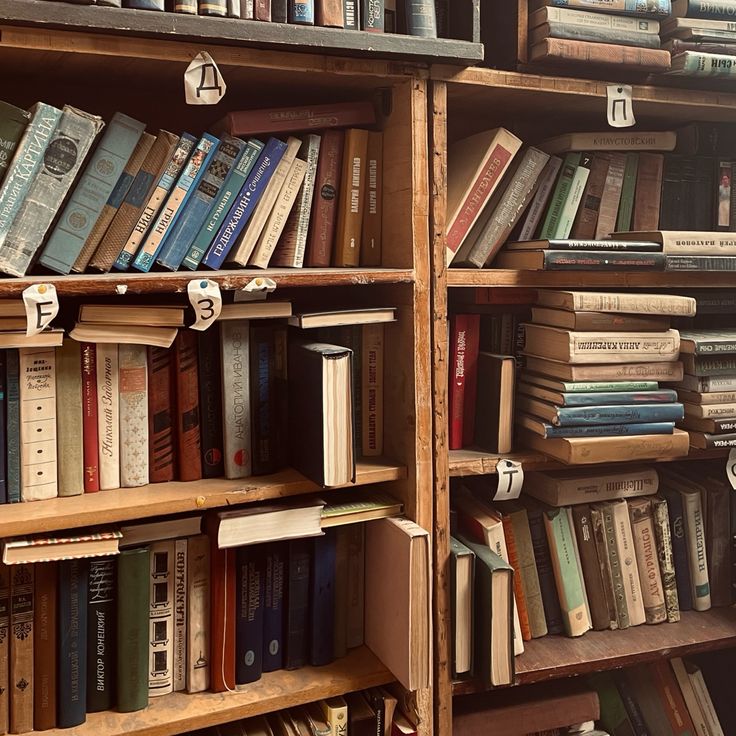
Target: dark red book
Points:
(464, 337)
(44, 650)
(187, 406)
(246, 123)
(262, 10)
(324, 204)
(161, 405)
(89, 418)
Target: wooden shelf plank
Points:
(156, 499)
(233, 31)
(553, 657)
(467, 277)
(180, 712)
(176, 282)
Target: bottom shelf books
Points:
(584, 550)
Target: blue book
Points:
(176, 202)
(680, 553)
(273, 608)
(250, 583)
(608, 430)
(609, 398)
(181, 236)
(222, 204)
(245, 203)
(322, 618)
(301, 12)
(72, 643)
(12, 406)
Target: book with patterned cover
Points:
(133, 377)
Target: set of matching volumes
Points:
(583, 550)
(131, 200)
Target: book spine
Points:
(187, 406)
(373, 209)
(236, 410)
(697, 64)
(101, 635)
(72, 682)
(611, 197)
(301, 12)
(45, 651)
(273, 607)
(597, 521)
(263, 399)
(91, 192)
(12, 365)
(587, 217)
(629, 564)
(222, 613)
(575, 32)
(262, 10)
(351, 11)
(108, 415)
(671, 698)
(250, 583)
(133, 607)
(519, 597)
(161, 619)
(642, 527)
(723, 10)
(602, 261)
(38, 457)
(699, 263)
(572, 201)
(296, 630)
(372, 389)
(630, 701)
(210, 402)
(69, 413)
(180, 614)
(371, 15)
(5, 635)
(22, 605)
(547, 585)
(322, 596)
(186, 6)
(610, 430)
(626, 203)
(279, 11)
(13, 122)
(61, 162)
(3, 429)
(558, 50)
(280, 366)
(695, 538)
(648, 192)
(595, 20)
(617, 576)
(544, 191)
(133, 401)
(212, 7)
(625, 414)
(717, 543)
(342, 562)
(161, 414)
(198, 614)
(562, 190)
(421, 18)
(329, 13)
(356, 585)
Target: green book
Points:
(614, 717)
(13, 122)
(559, 196)
(134, 577)
(628, 192)
(493, 610)
(462, 575)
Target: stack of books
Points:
(598, 33)
(585, 336)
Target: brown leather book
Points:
(262, 10)
(21, 648)
(671, 698)
(351, 203)
(373, 209)
(4, 647)
(329, 13)
(519, 597)
(648, 192)
(611, 197)
(563, 51)
(44, 655)
(587, 217)
(187, 406)
(161, 406)
(717, 524)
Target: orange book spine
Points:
(508, 533)
(352, 199)
(222, 614)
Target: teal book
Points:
(12, 386)
(608, 398)
(92, 191)
(222, 203)
(560, 194)
(607, 430)
(26, 163)
(13, 121)
(182, 235)
(628, 192)
(175, 203)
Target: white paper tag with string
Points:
(510, 480)
(620, 106)
(256, 289)
(42, 306)
(206, 300)
(731, 467)
(203, 82)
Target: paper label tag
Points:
(256, 289)
(206, 300)
(510, 480)
(42, 306)
(620, 106)
(203, 83)
(731, 467)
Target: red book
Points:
(245, 123)
(44, 651)
(519, 597)
(89, 418)
(324, 204)
(187, 406)
(262, 10)
(160, 415)
(222, 612)
(464, 337)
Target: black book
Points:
(263, 398)
(72, 643)
(421, 19)
(351, 13)
(568, 260)
(101, 635)
(371, 15)
(629, 698)
(250, 581)
(3, 436)
(280, 376)
(279, 12)
(672, 208)
(210, 402)
(322, 599)
(297, 604)
(680, 554)
(706, 139)
(273, 606)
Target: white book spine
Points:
(161, 619)
(629, 567)
(695, 536)
(133, 380)
(688, 694)
(38, 424)
(198, 614)
(180, 615)
(236, 411)
(706, 704)
(108, 416)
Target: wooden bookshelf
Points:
(180, 712)
(553, 657)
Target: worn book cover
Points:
(22, 603)
(187, 406)
(133, 382)
(108, 415)
(179, 664)
(45, 652)
(161, 408)
(197, 657)
(663, 539)
(642, 527)
(101, 634)
(69, 413)
(161, 619)
(13, 122)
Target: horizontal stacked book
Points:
(131, 200)
(604, 549)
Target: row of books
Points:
(589, 550)
(177, 610)
(135, 200)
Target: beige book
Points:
(198, 614)
(687, 243)
(592, 19)
(370, 246)
(279, 214)
(179, 662)
(161, 337)
(671, 371)
(108, 416)
(19, 339)
(5, 649)
(38, 456)
(626, 303)
(704, 700)
(69, 418)
(247, 242)
(372, 390)
(611, 140)
(710, 411)
(629, 565)
(161, 619)
(21, 648)
(133, 382)
(691, 700)
(335, 712)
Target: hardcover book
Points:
(108, 416)
(161, 619)
(187, 407)
(69, 403)
(133, 401)
(197, 654)
(22, 604)
(101, 634)
(45, 652)
(13, 122)
(161, 407)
